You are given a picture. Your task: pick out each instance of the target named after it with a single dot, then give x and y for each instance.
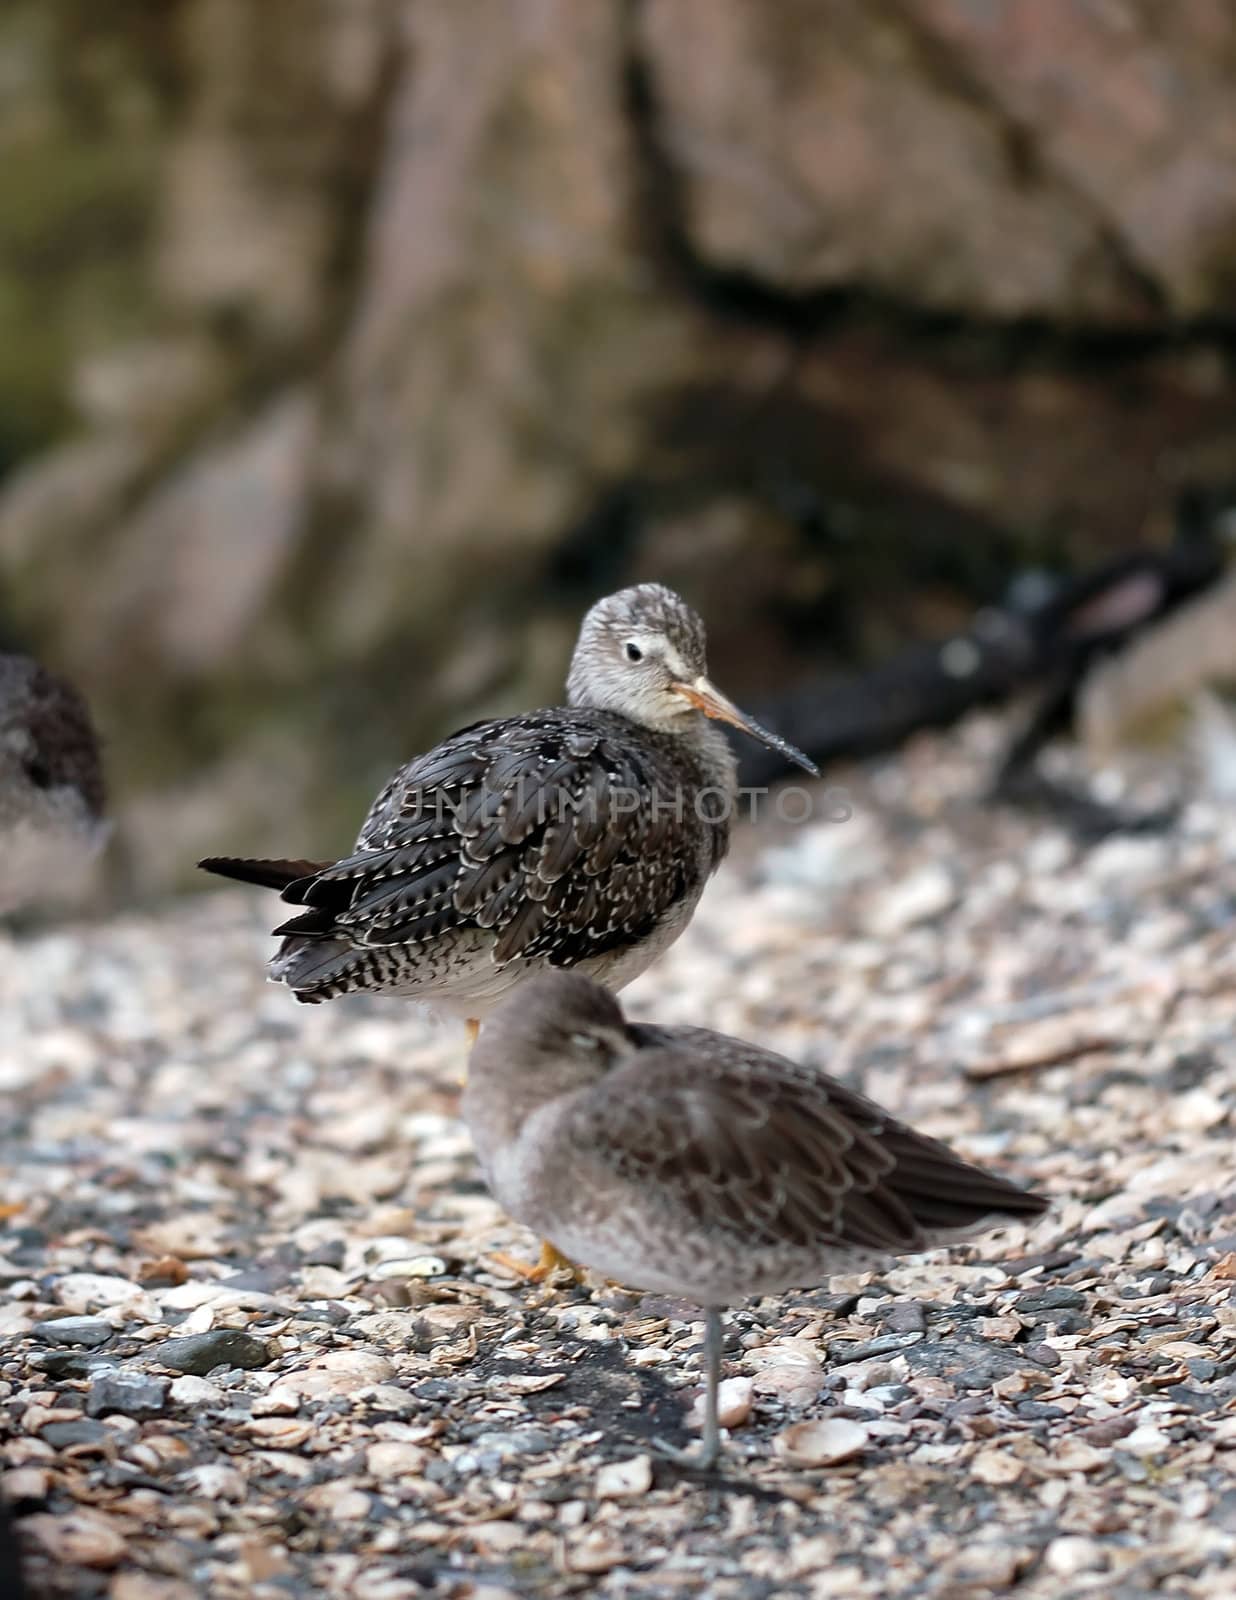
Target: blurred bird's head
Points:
(48, 745)
(51, 788)
(556, 1028)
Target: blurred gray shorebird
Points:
(52, 826)
(686, 1162)
(579, 836)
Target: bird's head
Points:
(641, 653)
(558, 1031)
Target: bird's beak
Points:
(704, 697)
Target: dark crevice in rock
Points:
(1027, 158)
(739, 297)
(362, 166)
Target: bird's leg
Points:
(550, 1261)
(710, 1444)
(709, 1451)
(472, 1027)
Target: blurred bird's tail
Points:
(267, 874)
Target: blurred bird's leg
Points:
(552, 1259)
(709, 1452)
(472, 1027)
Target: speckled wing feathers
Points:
(528, 829)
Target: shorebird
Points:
(686, 1162)
(578, 836)
(51, 787)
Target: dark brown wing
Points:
(748, 1142)
(558, 832)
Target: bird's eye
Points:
(633, 651)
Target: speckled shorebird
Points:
(686, 1162)
(579, 836)
(51, 787)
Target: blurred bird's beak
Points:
(704, 697)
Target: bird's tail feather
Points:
(267, 874)
(316, 969)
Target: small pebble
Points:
(843, 1352)
(1038, 1411)
(624, 1480)
(70, 1363)
(132, 1394)
(88, 1291)
(196, 1393)
(330, 1253)
(733, 1403)
(821, 1444)
(905, 1316)
(200, 1353)
(81, 1539)
(921, 896)
(888, 1394)
(1056, 1299)
(1072, 1554)
(61, 1435)
(89, 1332)
(27, 1486)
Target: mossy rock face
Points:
(347, 352)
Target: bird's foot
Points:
(551, 1261)
(706, 1457)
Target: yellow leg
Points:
(551, 1260)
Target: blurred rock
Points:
(198, 566)
(829, 143)
(255, 192)
(508, 337)
(132, 1394)
(89, 1331)
(1130, 110)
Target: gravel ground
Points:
(255, 1339)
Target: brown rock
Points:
(829, 142)
(1130, 110)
